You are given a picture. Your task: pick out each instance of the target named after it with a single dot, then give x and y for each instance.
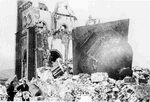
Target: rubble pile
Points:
(95, 87)
(3, 93)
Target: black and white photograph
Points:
(75, 50)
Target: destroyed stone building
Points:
(101, 54)
(42, 36)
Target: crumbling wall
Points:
(64, 22)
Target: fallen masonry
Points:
(94, 88)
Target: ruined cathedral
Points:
(42, 36)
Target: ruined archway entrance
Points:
(54, 55)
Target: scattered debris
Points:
(84, 87)
(98, 77)
(3, 93)
(95, 87)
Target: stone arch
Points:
(54, 55)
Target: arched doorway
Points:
(54, 55)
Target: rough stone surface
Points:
(102, 48)
(80, 88)
(98, 77)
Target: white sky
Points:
(136, 11)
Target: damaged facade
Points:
(42, 36)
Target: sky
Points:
(105, 10)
